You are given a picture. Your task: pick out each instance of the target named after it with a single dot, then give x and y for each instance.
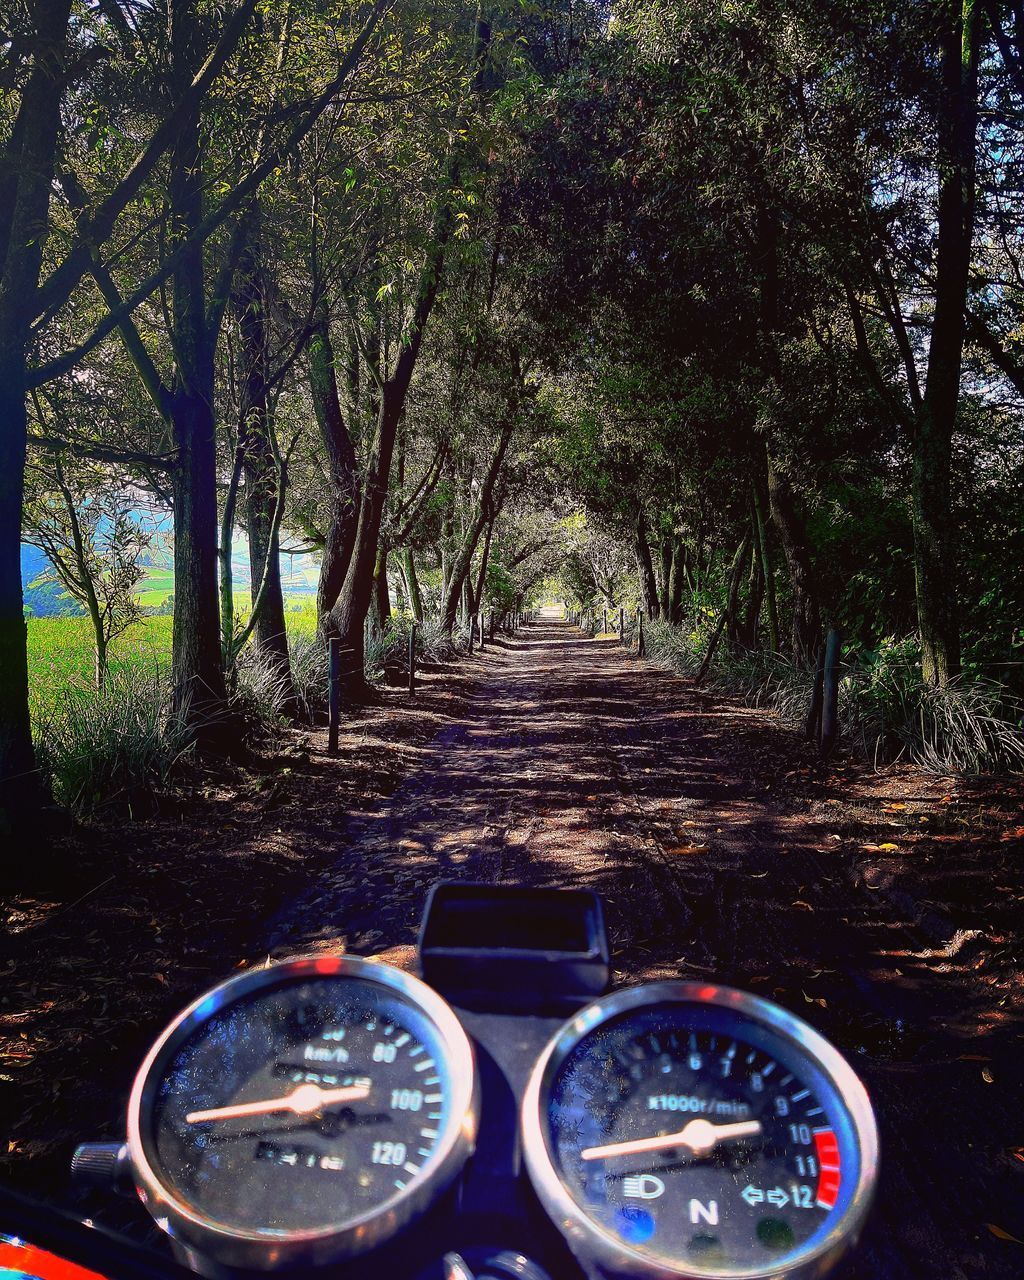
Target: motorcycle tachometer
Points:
(302, 1113)
(692, 1130)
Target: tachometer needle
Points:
(701, 1136)
(305, 1100)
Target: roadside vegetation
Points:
(116, 748)
(970, 725)
(707, 310)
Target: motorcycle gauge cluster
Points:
(307, 1112)
(681, 1129)
(302, 1113)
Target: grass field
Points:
(154, 589)
(60, 653)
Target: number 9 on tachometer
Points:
(685, 1129)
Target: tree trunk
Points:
(412, 583)
(935, 554)
(768, 573)
(100, 651)
(344, 481)
(19, 782)
(676, 581)
(226, 571)
(447, 534)
(481, 577)
(401, 598)
(735, 579)
(348, 615)
(755, 596)
(347, 618)
(198, 676)
(664, 607)
(26, 176)
(645, 568)
(86, 582)
(197, 673)
(260, 468)
(806, 633)
(464, 556)
(735, 573)
(382, 596)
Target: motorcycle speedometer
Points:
(686, 1129)
(302, 1113)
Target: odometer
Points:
(302, 1112)
(691, 1130)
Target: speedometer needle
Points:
(701, 1136)
(304, 1100)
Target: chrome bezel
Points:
(272, 1249)
(591, 1241)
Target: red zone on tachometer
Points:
(828, 1163)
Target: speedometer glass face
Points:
(710, 1136)
(307, 1103)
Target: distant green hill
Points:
(298, 575)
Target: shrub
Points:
(434, 644)
(114, 747)
(674, 647)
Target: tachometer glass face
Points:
(301, 1107)
(701, 1138)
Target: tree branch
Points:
(241, 193)
(101, 452)
(98, 227)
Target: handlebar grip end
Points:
(103, 1166)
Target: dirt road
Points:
(717, 852)
(879, 906)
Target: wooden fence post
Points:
(333, 693)
(641, 646)
(830, 694)
(412, 658)
(622, 625)
(812, 725)
(604, 629)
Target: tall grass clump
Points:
(968, 727)
(113, 746)
(972, 725)
(261, 694)
(675, 647)
(309, 674)
(385, 652)
(380, 649)
(434, 644)
(389, 649)
(886, 712)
